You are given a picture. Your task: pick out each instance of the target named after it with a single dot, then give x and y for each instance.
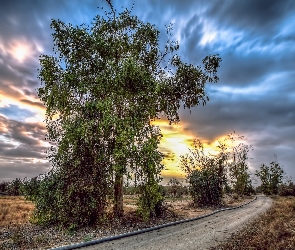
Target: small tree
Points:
(287, 188)
(210, 175)
(206, 175)
(238, 166)
(270, 176)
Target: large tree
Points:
(101, 90)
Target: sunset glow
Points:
(20, 52)
(176, 143)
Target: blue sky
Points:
(255, 95)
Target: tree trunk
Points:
(118, 196)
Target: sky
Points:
(255, 95)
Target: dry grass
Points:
(14, 210)
(273, 230)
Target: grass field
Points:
(273, 230)
(14, 210)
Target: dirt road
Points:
(199, 234)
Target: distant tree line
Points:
(21, 187)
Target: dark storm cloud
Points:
(7, 73)
(27, 17)
(254, 53)
(259, 16)
(23, 151)
(245, 69)
(237, 68)
(230, 113)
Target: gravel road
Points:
(199, 234)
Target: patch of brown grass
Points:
(14, 210)
(273, 230)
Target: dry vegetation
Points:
(14, 210)
(16, 232)
(273, 230)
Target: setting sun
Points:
(20, 52)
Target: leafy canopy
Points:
(101, 90)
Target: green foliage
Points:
(270, 176)
(150, 202)
(206, 175)
(149, 175)
(46, 199)
(12, 188)
(55, 194)
(101, 90)
(249, 189)
(30, 188)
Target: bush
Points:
(287, 189)
(206, 175)
(206, 188)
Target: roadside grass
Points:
(273, 230)
(14, 210)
